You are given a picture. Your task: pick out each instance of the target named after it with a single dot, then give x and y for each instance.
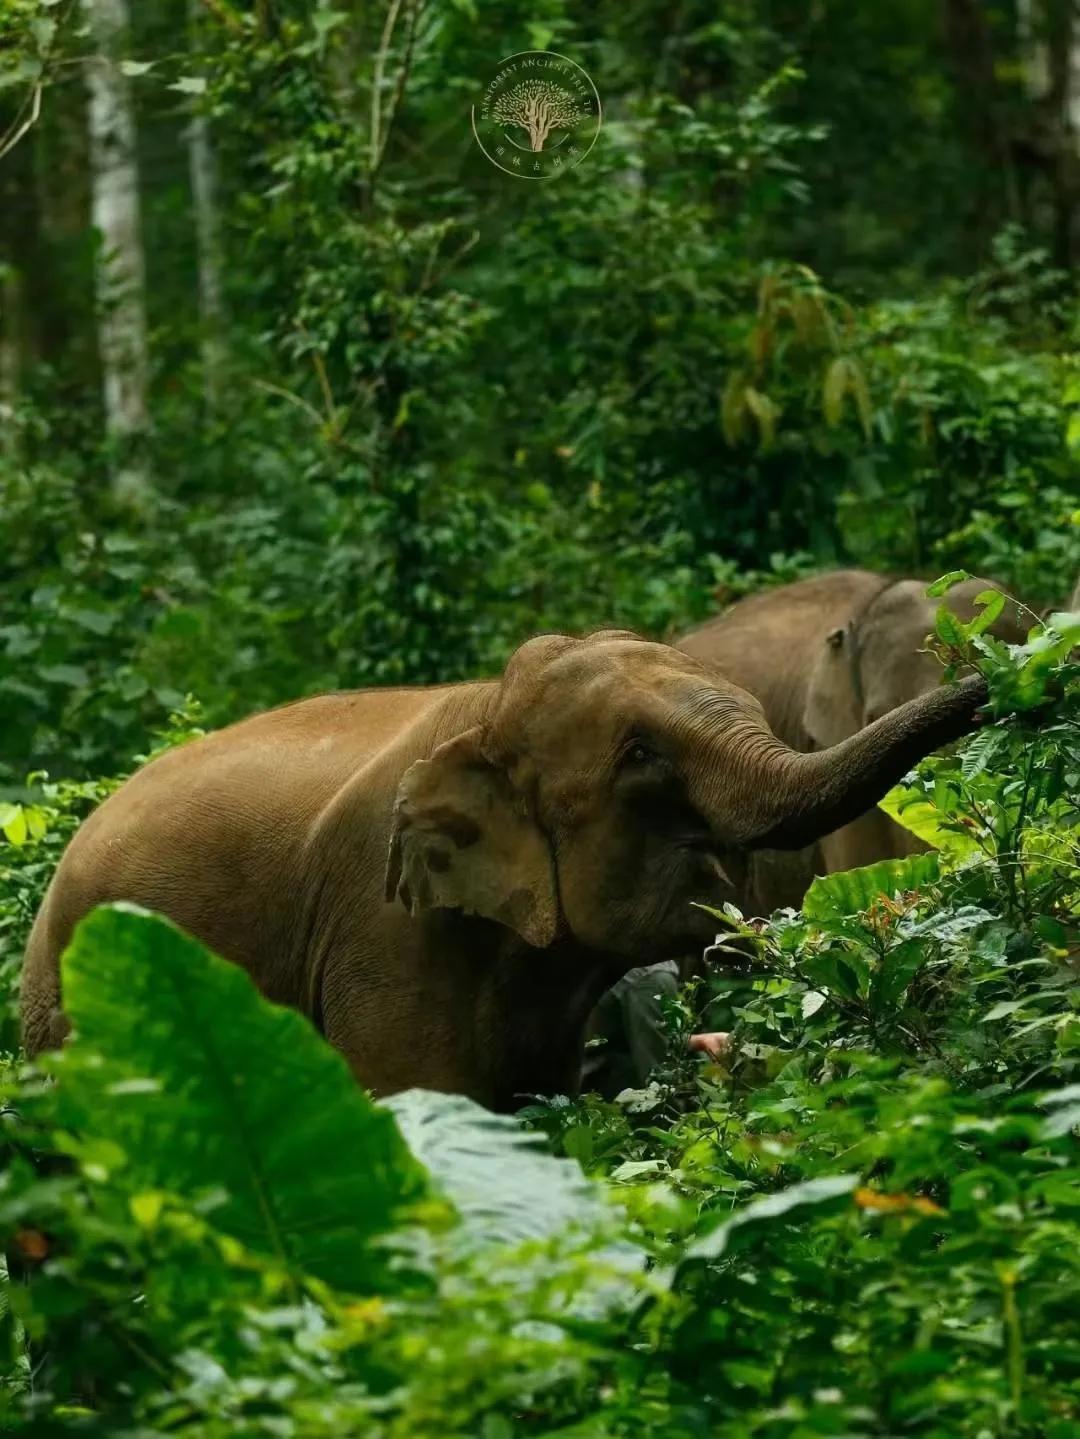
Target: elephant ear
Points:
(833, 710)
(463, 839)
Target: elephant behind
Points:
(446, 879)
(827, 656)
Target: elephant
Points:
(827, 656)
(445, 879)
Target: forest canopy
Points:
(808, 301)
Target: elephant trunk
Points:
(788, 799)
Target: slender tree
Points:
(14, 186)
(9, 353)
(121, 277)
(1034, 55)
(1048, 34)
(202, 164)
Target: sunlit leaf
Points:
(829, 1189)
(853, 891)
(946, 582)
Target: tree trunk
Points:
(973, 62)
(1049, 47)
(1034, 55)
(15, 186)
(121, 279)
(204, 194)
(10, 348)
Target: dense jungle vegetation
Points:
(368, 411)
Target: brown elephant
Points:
(446, 879)
(826, 657)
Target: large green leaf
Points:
(509, 1191)
(834, 897)
(831, 1189)
(501, 1179)
(910, 808)
(208, 1088)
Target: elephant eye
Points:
(636, 755)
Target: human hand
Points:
(715, 1045)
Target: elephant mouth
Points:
(705, 848)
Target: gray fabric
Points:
(630, 1018)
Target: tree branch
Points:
(385, 41)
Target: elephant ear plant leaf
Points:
(500, 1178)
(908, 806)
(833, 898)
(208, 1091)
(519, 1205)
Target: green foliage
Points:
(493, 1170)
(454, 410)
(34, 832)
(198, 1094)
(958, 803)
(783, 318)
(863, 1221)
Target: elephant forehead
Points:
(586, 715)
(605, 670)
(579, 719)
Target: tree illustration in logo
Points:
(538, 107)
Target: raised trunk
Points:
(812, 795)
(767, 796)
(121, 280)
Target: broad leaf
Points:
(828, 1189)
(949, 629)
(945, 583)
(205, 1086)
(992, 602)
(510, 1191)
(835, 897)
(499, 1177)
(913, 812)
(835, 973)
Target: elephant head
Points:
(879, 660)
(610, 782)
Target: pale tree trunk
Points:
(204, 194)
(9, 356)
(1064, 101)
(1049, 36)
(19, 242)
(121, 278)
(1034, 52)
(1039, 22)
(1072, 101)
